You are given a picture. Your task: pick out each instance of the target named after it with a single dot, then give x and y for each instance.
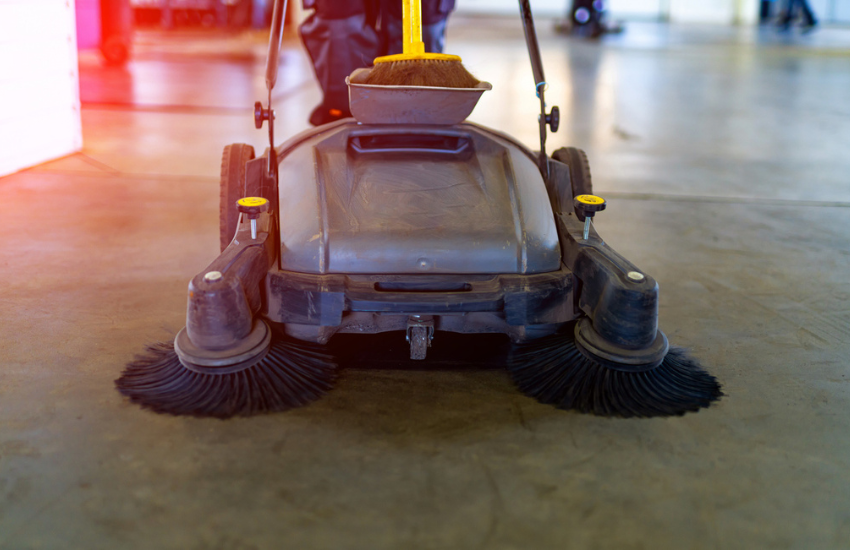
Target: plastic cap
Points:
(253, 206)
(589, 204)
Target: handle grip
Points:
(531, 41)
(412, 23)
(539, 84)
(275, 38)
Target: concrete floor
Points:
(723, 153)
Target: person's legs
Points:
(338, 40)
(340, 37)
(764, 11)
(788, 14)
(808, 15)
(258, 14)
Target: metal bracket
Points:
(421, 321)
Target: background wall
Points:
(705, 11)
(88, 23)
(831, 10)
(39, 84)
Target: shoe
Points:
(324, 114)
(808, 27)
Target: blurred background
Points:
(147, 53)
(719, 137)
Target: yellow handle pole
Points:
(413, 47)
(411, 12)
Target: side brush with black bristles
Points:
(291, 374)
(553, 370)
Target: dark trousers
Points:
(765, 11)
(343, 35)
(803, 6)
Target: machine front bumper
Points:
(314, 299)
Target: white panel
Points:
(88, 24)
(635, 9)
(841, 12)
(747, 11)
(822, 8)
(511, 7)
(831, 11)
(692, 11)
(704, 11)
(39, 85)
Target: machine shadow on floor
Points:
(449, 351)
(460, 393)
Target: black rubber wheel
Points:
(233, 166)
(580, 181)
(115, 50)
(418, 343)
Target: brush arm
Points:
(623, 311)
(225, 297)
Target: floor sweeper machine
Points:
(407, 218)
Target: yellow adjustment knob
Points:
(249, 202)
(587, 206)
(253, 206)
(590, 203)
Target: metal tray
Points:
(372, 104)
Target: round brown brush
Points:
(415, 67)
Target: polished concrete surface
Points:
(723, 153)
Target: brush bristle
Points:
(554, 371)
(421, 72)
(292, 374)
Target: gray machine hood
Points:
(392, 199)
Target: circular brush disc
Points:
(553, 371)
(292, 374)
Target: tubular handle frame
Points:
(539, 78)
